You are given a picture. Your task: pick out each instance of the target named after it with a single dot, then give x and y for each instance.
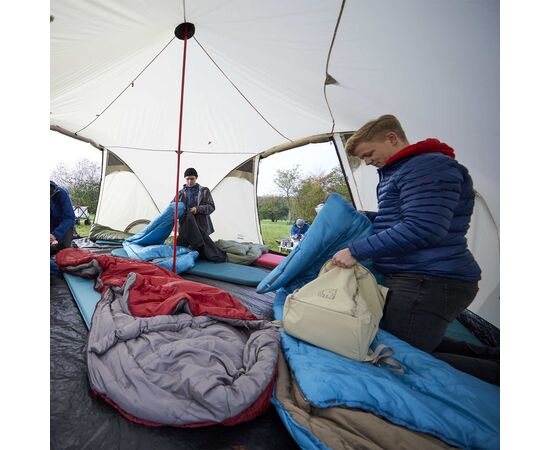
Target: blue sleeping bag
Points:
(336, 225)
(430, 397)
(148, 244)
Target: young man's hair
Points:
(375, 130)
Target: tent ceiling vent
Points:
(180, 30)
(330, 80)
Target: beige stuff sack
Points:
(339, 311)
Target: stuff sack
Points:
(339, 311)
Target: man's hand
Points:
(193, 210)
(344, 258)
(52, 238)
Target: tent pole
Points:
(179, 147)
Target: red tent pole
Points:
(179, 146)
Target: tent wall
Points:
(123, 198)
(256, 79)
(236, 215)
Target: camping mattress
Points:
(84, 294)
(233, 273)
(269, 260)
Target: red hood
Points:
(428, 146)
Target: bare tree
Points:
(82, 182)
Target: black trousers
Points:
(65, 242)
(418, 310)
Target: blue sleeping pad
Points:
(233, 273)
(85, 295)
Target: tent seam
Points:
(328, 62)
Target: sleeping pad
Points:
(166, 351)
(148, 244)
(429, 398)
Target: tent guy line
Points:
(240, 92)
(329, 79)
(131, 84)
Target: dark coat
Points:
(205, 207)
(425, 202)
(61, 211)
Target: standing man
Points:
(425, 202)
(61, 218)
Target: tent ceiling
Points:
(256, 72)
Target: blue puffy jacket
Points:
(61, 211)
(425, 201)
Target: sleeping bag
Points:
(430, 397)
(167, 351)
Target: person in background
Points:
(198, 200)
(61, 218)
(425, 202)
(299, 229)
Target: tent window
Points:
(115, 164)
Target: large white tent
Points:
(267, 75)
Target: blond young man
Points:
(425, 202)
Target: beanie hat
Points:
(190, 173)
(300, 222)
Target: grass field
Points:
(84, 230)
(270, 231)
(274, 230)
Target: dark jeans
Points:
(418, 310)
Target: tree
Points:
(309, 195)
(315, 189)
(83, 182)
(288, 182)
(272, 207)
(336, 182)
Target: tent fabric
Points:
(324, 238)
(261, 75)
(455, 407)
(155, 329)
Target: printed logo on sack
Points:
(329, 294)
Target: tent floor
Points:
(80, 420)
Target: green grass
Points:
(84, 230)
(274, 230)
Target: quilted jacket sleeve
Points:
(429, 191)
(66, 214)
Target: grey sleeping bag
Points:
(178, 369)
